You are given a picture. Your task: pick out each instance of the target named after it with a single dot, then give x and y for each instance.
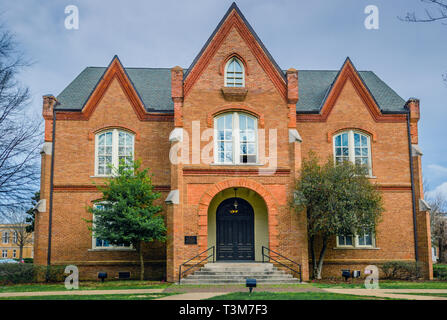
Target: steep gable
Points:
(235, 19)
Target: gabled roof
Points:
(152, 84)
(261, 44)
(154, 88)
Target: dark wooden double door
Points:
(235, 230)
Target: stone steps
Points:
(237, 273)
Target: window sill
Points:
(236, 164)
(111, 249)
(101, 176)
(356, 248)
(371, 177)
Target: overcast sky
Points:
(317, 34)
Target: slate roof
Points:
(154, 88)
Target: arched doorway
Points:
(235, 230)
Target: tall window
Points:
(4, 253)
(15, 237)
(234, 73)
(111, 147)
(236, 138)
(355, 147)
(362, 240)
(98, 243)
(5, 237)
(14, 253)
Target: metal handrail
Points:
(180, 273)
(277, 261)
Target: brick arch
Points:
(365, 130)
(232, 108)
(207, 197)
(230, 56)
(93, 132)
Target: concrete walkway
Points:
(392, 293)
(192, 296)
(78, 292)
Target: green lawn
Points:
(386, 284)
(86, 285)
(143, 296)
(291, 296)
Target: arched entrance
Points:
(235, 230)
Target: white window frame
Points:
(115, 146)
(236, 139)
(243, 72)
(355, 242)
(5, 237)
(110, 247)
(5, 253)
(15, 237)
(14, 253)
(351, 147)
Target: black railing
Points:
(180, 273)
(269, 256)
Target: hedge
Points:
(13, 273)
(402, 270)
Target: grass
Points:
(86, 285)
(385, 284)
(443, 295)
(291, 296)
(145, 296)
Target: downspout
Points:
(50, 211)
(413, 196)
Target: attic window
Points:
(234, 73)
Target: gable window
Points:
(235, 139)
(112, 146)
(365, 240)
(5, 237)
(355, 147)
(234, 73)
(98, 243)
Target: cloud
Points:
(440, 190)
(438, 169)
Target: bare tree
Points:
(19, 133)
(439, 12)
(438, 223)
(17, 227)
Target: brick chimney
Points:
(49, 102)
(413, 107)
(292, 95)
(177, 94)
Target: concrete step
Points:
(197, 276)
(237, 273)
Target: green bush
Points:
(14, 273)
(402, 270)
(440, 271)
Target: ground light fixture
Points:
(250, 284)
(102, 276)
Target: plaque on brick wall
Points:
(190, 239)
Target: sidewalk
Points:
(392, 293)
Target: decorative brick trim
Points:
(234, 20)
(93, 188)
(348, 72)
(233, 108)
(92, 133)
(233, 55)
(230, 172)
(406, 188)
(368, 131)
(260, 189)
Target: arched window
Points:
(234, 73)
(353, 146)
(112, 146)
(236, 138)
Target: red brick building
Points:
(237, 120)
